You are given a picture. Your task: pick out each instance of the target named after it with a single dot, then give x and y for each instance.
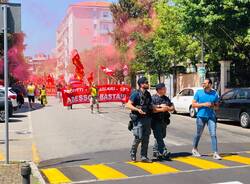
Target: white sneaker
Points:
(216, 156)
(196, 153)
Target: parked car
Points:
(13, 96)
(2, 110)
(183, 101)
(235, 105)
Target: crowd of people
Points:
(32, 92)
(152, 113)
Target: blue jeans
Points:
(160, 131)
(141, 131)
(211, 123)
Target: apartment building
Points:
(86, 25)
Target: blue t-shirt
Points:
(202, 96)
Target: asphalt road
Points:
(72, 145)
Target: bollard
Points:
(25, 172)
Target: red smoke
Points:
(106, 56)
(18, 67)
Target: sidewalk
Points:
(11, 174)
(21, 146)
(20, 136)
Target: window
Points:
(185, 92)
(105, 28)
(106, 14)
(190, 92)
(228, 96)
(243, 94)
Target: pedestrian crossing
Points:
(55, 176)
(237, 158)
(200, 163)
(154, 167)
(125, 170)
(103, 172)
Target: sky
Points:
(40, 19)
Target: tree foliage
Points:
(224, 23)
(225, 27)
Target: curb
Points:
(36, 173)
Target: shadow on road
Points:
(57, 162)
(14, 120)
(180, 154)
(19, 116)
(228, 122)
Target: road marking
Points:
(154, 167)
(237, 158)
(55, 176)
(231, 182)
(103, 172)
(150, 175)
(200, 163)
(1, 156)
(30, 123)
(35, 155)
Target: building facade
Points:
(86, 25)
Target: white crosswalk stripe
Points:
(231, 182)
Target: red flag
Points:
(107, 71)
(79, 71)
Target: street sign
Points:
(13, 17)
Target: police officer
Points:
(140, 104)
(160, 120)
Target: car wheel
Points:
(192, 112)
(245, 120)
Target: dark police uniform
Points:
(159, 124)
(142, 123)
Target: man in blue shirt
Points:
(140, 104)
(206, 100)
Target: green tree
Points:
(149, 59)
(224, 25)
